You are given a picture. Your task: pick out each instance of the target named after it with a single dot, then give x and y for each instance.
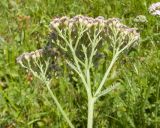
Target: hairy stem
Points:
(58, 104)
(43, 78)
(106, 74)
(91, 101)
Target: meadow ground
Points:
(25, 103)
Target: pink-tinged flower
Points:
(26, 56)
(154, 9)
(157, 12)
(31, 55)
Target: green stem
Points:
(157, 106)
(91, 102)
(43, 78)
(106, 74)
(58, 104)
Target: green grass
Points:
(25, 103)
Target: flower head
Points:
(28, 56)
(154, 9)
(88, 22)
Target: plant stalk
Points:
(106, 74)
(58, 105)
(91, 102)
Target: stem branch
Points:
(106, 74)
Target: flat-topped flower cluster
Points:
(89, 22)
(154, 9)
(30, 55)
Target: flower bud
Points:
(70, 24)
(63, 19)
(89, 25)
(19, 59)
(85, 22)
(95, 22)
(55, 23)
(37, 54)
(33, 56)
(26, 56)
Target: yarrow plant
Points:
(154, 9)
(80, 39)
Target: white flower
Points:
(26, 56)
(154, 9)
(55, 23)
(19, 59)
(157, 12)
(37, 53)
